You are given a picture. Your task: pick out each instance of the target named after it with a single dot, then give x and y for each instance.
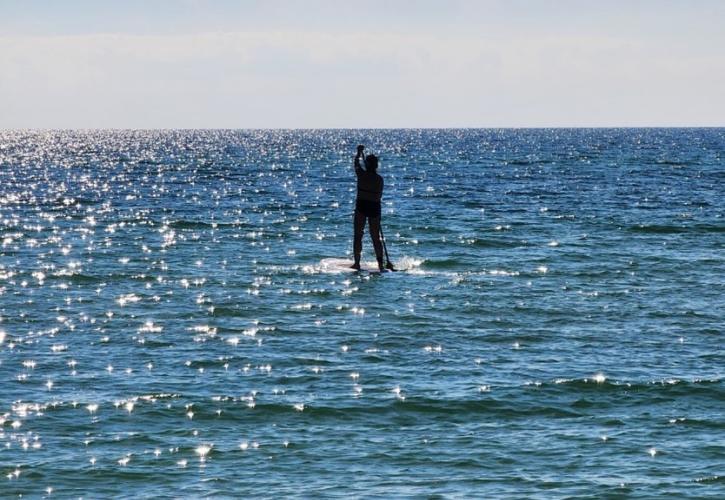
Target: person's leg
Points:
(358, 227)
(377, 244)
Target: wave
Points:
(246, 408)
(499, 243)
(670, 387)
(672, 162)
(442, 263)
(192, 224)
(711, 480)
(81, 279)
(672, 229)
(570, 398)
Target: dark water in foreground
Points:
(167, 328)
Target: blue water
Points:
(169, 326)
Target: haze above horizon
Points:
(374, 64)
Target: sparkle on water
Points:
(177, 316)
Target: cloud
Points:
(322, 79)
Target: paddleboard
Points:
(333, 265)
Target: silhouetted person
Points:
(367, 206)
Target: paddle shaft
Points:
(385, 248)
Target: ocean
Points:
(169, 326)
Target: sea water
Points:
(167, 325)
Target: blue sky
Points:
(394, 63)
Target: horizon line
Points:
(535, 127)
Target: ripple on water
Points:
(177, 313)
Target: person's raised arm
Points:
(358, 168)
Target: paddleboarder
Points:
(367, 206)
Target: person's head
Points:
(371, 163)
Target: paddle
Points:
(389, 264)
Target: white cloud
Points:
(320, 79)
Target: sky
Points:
(360, 64)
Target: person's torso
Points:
(369, 187)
